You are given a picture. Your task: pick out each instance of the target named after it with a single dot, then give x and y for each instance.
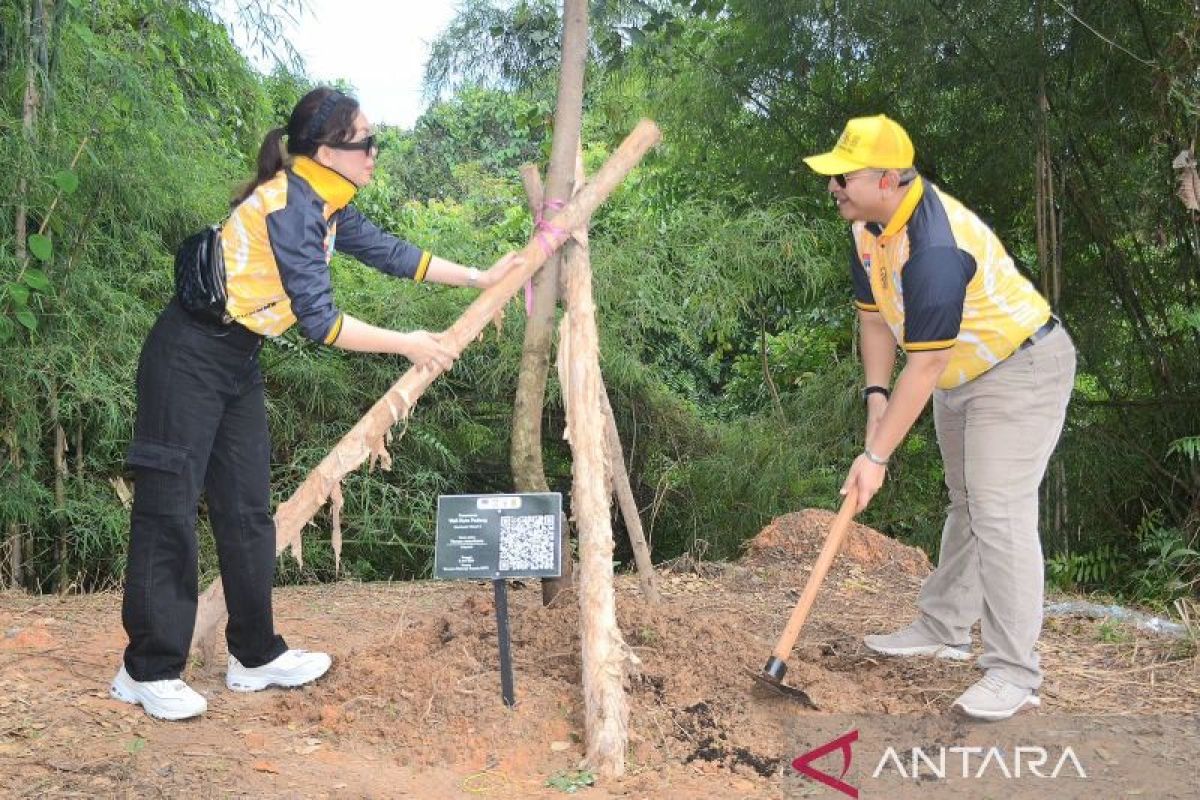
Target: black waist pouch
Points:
(200, 276)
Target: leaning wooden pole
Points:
(366, 438)
(606, 658)
(647, 578)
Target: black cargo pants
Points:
(201, 423)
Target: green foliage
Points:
(1088, 570)
(1112, 632)
(1188, 447)
(571, 781)
(491, 131)
(1169, 564)
(719, 264)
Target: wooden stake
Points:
(647, 577)
(606, 657)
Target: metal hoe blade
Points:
(771, 678)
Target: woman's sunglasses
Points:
(366, 145)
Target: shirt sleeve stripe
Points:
(336, 330)
(917, 347)
(423, 265)
(861, 306)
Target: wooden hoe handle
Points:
(833, 543)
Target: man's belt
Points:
(1040, 333)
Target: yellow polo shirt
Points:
(942, 280)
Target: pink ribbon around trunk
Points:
(548, 236)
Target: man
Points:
(930, 277)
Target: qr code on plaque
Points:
(526, 543)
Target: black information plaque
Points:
(497, 536)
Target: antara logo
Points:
(803, 764)
(976, 762)
(996, 759)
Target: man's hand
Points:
(866, 476)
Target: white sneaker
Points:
(913, 641)
(293, 668)
(167, 699)
(992, 698)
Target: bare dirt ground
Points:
(412, 707)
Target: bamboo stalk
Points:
(366, 436)
(60, 490)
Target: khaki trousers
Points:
(996, 434)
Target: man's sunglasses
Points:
(840, 180)
(366, 145)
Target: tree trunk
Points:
(366, 439)
(528, 471)
(529, 475)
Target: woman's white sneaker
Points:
(167, 699)
(293, 668)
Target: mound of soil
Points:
(798, 538)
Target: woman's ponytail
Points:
(270, 161)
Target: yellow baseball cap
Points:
(866, 142)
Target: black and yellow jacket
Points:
(278, 243)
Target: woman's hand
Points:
(490, 277)
(427, 350)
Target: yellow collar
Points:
(333, 188)
(907, 206)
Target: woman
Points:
(201, 419)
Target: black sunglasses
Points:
(366, 145)
(840, 180)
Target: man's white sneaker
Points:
(993, 698)
(167, 699)
(293, 668)
(911, 641)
